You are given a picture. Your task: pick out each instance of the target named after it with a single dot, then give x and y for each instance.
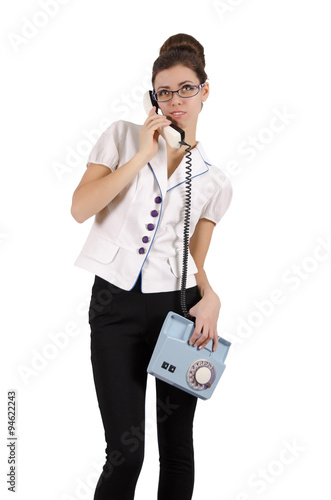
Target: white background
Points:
(265, 432)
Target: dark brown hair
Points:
(181, 49)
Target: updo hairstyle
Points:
(181, 49)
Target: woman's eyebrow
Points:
(179, 84)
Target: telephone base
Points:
(186, 367)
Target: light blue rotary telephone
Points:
(174, 360)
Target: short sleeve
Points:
(106, 150)
(218, 204)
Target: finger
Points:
(214, 339)
(215, 342)
(205, 342)
(155, 126)
(157, 119)
(196, 333)
(203, 336)
(153, 114)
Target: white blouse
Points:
(141, 229)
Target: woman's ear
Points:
(205, 91)
(205, 94)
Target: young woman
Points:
(135, 187)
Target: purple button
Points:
(154, 213)
(145, 239)
(158, 199)
(150, 227)
(142, 250)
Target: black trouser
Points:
(124, 329)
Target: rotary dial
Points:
(201, 374)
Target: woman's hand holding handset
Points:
(97, 188)
(149, 134)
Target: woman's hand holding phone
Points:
(149, 134)
(206, 313)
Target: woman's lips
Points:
(176, 114)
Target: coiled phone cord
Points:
(186, 233)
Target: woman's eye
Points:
(163, 92)
(188, 87)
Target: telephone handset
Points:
(173, 135)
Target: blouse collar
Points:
(199, 165)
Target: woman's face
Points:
(183, 111)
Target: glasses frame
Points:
(199, 87)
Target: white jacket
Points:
(142, 228)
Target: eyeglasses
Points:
(186, 91)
